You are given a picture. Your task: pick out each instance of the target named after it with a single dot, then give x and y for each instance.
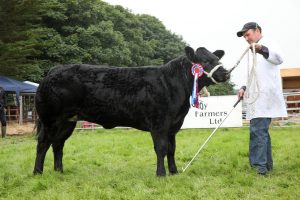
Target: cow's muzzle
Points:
(218, 74)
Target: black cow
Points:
(154, 99)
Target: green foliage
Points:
(121, 164)
(20, 37)
(166, 45)
(226, 88)
(38, 34)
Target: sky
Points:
(213, 24)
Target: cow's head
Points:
(214, 70)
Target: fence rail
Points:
(292, 101)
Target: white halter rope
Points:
(239, 60)
(210, 74)
(253, 88)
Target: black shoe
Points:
(262, 173)
(269, 167)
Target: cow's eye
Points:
(206, 62)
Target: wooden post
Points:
(21, 110)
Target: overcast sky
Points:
(213, 24)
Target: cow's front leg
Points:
(171, 154)
(160, 146)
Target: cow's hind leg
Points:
(41, 150)
(65, 130)
(160, 141)
(171, 154)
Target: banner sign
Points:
(212, 110)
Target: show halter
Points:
(210, 74)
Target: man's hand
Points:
(257, 47)
(241, 93)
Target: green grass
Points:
(121, 164)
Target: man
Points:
(2, 112)
(263, 97)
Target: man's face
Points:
(252, 35)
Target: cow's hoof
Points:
(37, 172)
(58, 169)
(160, 174)
(173, 173)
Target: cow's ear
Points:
(219, 53)
(190, 53)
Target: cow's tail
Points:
(39, 128)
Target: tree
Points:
(21, 37)
(166, 45)
(226, 88)
(38, 34)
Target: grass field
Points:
(121, 164)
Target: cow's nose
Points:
(227, 75)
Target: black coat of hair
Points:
(154, 99)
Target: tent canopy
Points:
(12, 85)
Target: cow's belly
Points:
(110, 120)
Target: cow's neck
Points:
(185, 68)
(201, 85)
(187, 65)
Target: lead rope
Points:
(239, 60)
(253, 88)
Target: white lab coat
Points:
(266, 100)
